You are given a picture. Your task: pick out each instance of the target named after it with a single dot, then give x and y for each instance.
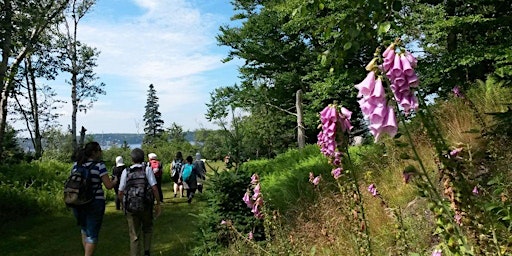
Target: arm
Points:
(109, 184)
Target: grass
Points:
(58, 235)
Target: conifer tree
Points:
(153, 128)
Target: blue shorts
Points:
(89, 218)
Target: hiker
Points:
(175, 172)
(90, 216)
(201, 172)
(117, 170)
(189, 177)
(138, 190)
(156, 166)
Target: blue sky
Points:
(168, 43)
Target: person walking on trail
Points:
(117, 170)
(175, 172)
(156, 166)
(90, 216)
(201, 172)
(139, 192)
(189, 177)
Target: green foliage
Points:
(225, 192)
(11, 151)
(58, 146)
(31, 189)
(462, 41)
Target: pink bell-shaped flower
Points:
(406, 66)
(366, 86)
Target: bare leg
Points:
(89, 249)
(175, 189)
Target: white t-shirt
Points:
(149, 175)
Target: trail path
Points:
(59, 235)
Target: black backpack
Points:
(138, 195)
(78, 189)
(176, 168)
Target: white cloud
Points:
(171, 45)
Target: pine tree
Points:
(153, 128)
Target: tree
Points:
(176, 134)
(462, 41)
(153, 128)
(79, 60)
(35, 102)
(23, 22)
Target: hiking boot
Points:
(175, 195)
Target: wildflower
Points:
(437, 252)
(250, 236)
(337, 159)
(255, 178)
(256, 208)
(336, 173)
(247, 199)
(317, 180)
(458, 218)
(223, 222)
(345, 116)
(455, 152)
(373, 189)
(456, 91)
(475, 191)
(256, 192)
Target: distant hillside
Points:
(108, 139)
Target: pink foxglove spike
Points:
(366, 86)
(396, 70)
(406, 66)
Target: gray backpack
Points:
(138, 195)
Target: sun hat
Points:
(119, 161)
(151, 156)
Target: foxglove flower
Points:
(255, 179)
(336, 173)
(256, 192)
(456, 91)
(475, 191)
(458, 218)
(317, 180)
(247, 199)
(373, 189)
(250, 236)
(437, 252)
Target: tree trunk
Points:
(6, 52)
(301, 141)
(38, 147)
(82, 137)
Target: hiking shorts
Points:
(89, 218)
